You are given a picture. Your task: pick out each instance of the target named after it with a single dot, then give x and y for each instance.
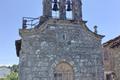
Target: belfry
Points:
(59, 48)
(62, 6)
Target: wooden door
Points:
(63, 71)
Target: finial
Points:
(95, 29)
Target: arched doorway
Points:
(63, 71)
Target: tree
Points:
(14, 68)
(14, 73)
(2, 78)
(11, 76)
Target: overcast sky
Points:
(103, 13)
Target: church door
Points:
(63, 71)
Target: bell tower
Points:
(63, 6)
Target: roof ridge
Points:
(113, 42)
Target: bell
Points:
(55, 1)
(69, 6)
(55, 7)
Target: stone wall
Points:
(116, 53)
(112, 58)
(42, 50)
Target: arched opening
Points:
(69, 9)
(62, 9)
(63, 71)
(55, 9)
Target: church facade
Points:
(60, 48)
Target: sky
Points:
(103, 13)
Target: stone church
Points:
(59, 47)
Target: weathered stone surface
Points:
(43, 50)
(112, 58)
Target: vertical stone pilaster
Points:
(77, 9)
(47, 8)
(62, 9)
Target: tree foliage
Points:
(14, 68)
(11, 76)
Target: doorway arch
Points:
(63, 71)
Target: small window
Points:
(61, 36)
(64, 36)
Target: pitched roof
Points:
(113, 43)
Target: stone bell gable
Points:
(60, 49)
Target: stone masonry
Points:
(112, 59)
(60, 49)
(61, 41)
